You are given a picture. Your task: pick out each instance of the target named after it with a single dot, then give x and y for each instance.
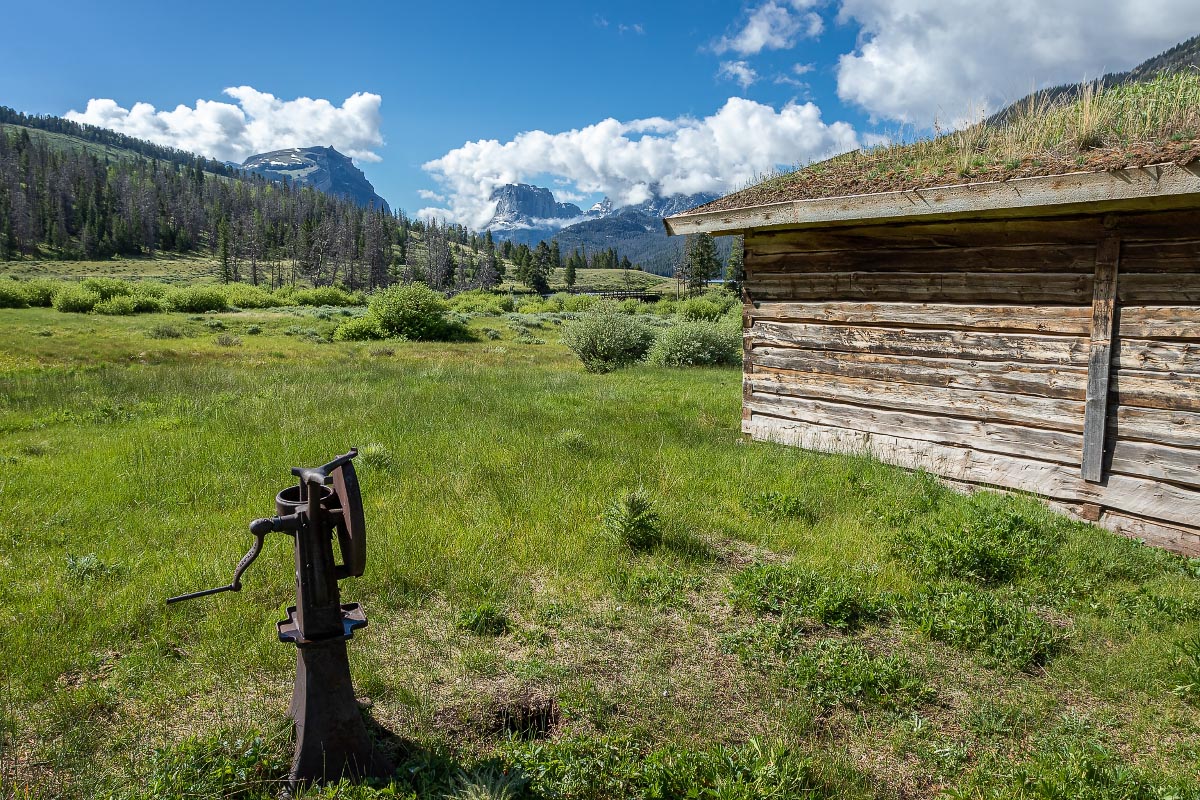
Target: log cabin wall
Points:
(1054, 356)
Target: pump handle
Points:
(260, 532)
(321, 475)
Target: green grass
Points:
(135, 450)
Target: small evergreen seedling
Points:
(631, 520)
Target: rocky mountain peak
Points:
(322, 168)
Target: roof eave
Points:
(1136, 188)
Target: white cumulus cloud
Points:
(257, 122)
(738, 71)
(924, 59)
(773, 26)
(633, 161)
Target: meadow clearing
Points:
(790, 625)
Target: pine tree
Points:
(569, 274)
(223, 249)
(702, 263)
(735, 270)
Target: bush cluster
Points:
(632, 521)
(605, 339)
(697, 344)
(406, 311)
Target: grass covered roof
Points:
(1096, 129)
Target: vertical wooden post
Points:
(1095, 416)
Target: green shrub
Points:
(151, 289)
(578, 303)
(605, 339)
(412, 310)
(989, 538)
(665, 308)
(244, 295)
(632, 521)
(700, 309)
(12, 294)
(107, 287)
(834, 600)
(196, 299)
(631, 306)
(116, 305)
(75, 299)
(836, 672)
(484, 620)
(326, 296)
(481, 302)
(358, 329)
(697, 344)
(39, 292)
(1004, 630)
(228, 340)
(146, 303)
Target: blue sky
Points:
(733, 88)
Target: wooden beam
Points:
(1104, 295)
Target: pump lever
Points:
(260, 528)
(321, 475)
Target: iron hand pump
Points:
(331, 739)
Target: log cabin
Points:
(1039, 334)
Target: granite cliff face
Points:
(520, 206)
(322, 168)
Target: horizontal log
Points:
(1179, 428)
(1140, 459)
(997, 376)
(1173, 288)
(949, 287)
(1151, 460)
(1083, 229)
(1039, 412)
(968, 345)
(1165, 257)
(1139, 496)
(1144, 389)
(1182, 540)
(1159, 322)
(1026, 259)
(1075, 320)
(1158, 356)
(993, 437)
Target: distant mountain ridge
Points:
(529, 214)
(322, 168)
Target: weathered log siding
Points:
(963, 348)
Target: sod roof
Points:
(1096, 130)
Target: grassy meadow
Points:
(790, 625)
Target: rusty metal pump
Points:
(331, 738)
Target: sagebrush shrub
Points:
(697, 344)
(632, 521)
(411, 310)
(605, 339)
(75, 299)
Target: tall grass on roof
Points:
(1092, 129)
